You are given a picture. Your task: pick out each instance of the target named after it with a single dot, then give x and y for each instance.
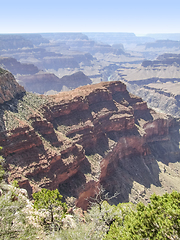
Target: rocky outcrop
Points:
(77, 141)
(75, 80)
(9, 88)
(43, 82)
(15, 67)
(33, 159)
(93, 110)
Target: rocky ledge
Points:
(78, 140)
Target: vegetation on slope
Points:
(22, 110)
(14, 217)
(2, 71)
(46, 217)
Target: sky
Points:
(137, 16)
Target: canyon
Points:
(42, 82)
(156, 81)
(98, 135)
(92, 136)
(63, 54)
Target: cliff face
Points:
(163, 96)
(76, 141)
(157, 82)
(133, 159)
(45, 82)
(15, 67)
(87, 113)
(9, 88)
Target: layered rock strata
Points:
(157, 82)
(79, 140)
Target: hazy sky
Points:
(138, 16)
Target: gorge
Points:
(95, 135)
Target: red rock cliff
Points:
(9, 88)
(75, 141)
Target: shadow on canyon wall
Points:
(141, 168)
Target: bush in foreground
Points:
(160, 219)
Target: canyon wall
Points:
(44, 82)
(76, 141)
(15, 67)
(157, 82)
(9, 88)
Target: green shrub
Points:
(158, 220)
(50, 201)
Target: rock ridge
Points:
(78, 140)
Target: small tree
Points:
(50, 200)
(100, 196)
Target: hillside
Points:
(94, 135)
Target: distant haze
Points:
(136, 16)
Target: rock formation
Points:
(9, 88)
(66, 53)
(157, 82)
(78, 140)
(15, 67)
(43, 82)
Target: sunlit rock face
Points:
(9, 88)
(77, 141)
